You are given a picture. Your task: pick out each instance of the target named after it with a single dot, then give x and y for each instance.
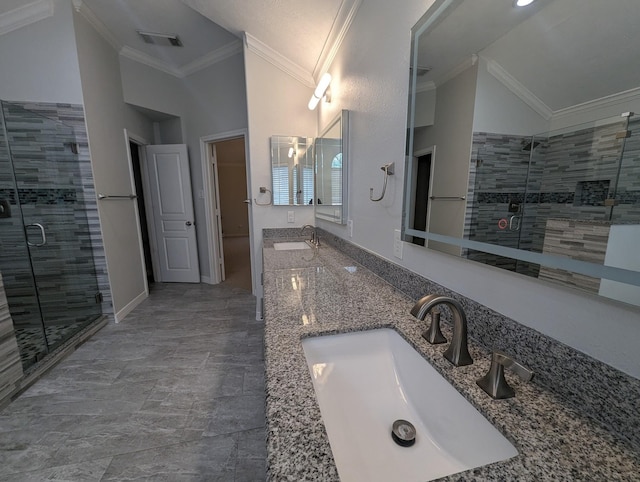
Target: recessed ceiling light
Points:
(523, 3)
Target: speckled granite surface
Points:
(325, 291)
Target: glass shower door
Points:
(496, 202)
(51, 198)
(15, 265)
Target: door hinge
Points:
(99, 298)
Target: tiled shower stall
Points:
(521, 185)
(51, 254)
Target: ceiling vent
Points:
(164, 39)
(422, 71)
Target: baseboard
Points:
(207, 280)
(131, 305)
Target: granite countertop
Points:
(322, 291)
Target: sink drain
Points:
(403, 433)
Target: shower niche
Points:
(52, 268)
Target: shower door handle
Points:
(514, 223)
(42, 233)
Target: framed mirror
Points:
(523, 151)
(292, 167)
(331, 149)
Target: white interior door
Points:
(172, 204)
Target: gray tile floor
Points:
(174, 392)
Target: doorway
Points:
(135, 149)
(228, 188)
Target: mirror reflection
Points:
(292, 170)
(331, 168)
(525, 153)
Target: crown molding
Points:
(149, 61)
(203, 62)
(341, 25)
(213, 57)
(278, 60)
(425, 86)
(186, 70)
(25, 15)
(518, 89)
(457, 70)
(96, 23)
(597, 104)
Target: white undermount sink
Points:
(289, 245)
(365, 381)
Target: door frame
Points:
(210, 190)
(141, 142)
(417, 154)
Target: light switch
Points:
(291, 217)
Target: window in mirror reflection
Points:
(538, 152)
(292, 170)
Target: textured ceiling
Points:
(198, 34)
(299, 30)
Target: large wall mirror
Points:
(523, 151)
(331, 148)
(292, 170)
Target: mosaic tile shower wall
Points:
(50, 153)
(10, 366)
(569, 177)
(499, 170)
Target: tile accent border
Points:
(604, 394)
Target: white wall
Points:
(370, 79)
(39, 63)
(151, 88)
(215, 103)
(277, 105)
(107, 116)
(211, 101)
(515, 117)
(169, 131)
(452, 135)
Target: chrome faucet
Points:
(315, 239)
(458, 351)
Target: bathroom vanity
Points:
(311, 292)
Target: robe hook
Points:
(388, 171)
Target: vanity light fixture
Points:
(523, 3)
(321, 91)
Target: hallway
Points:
(173, 392)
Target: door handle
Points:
(247, 201)
(188, 223)
(514, 223)
(42, 233)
